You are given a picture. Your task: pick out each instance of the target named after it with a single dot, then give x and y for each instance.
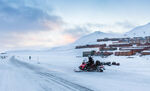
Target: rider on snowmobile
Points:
(99, 64)
(90, 62)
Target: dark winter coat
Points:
(90, 62)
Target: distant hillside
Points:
(92, 38)
(140, 31)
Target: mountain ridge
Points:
(139, 31)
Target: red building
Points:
(147, 52)
(124, 53)
(91, 46)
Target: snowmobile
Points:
(114, 63)
(84, 67)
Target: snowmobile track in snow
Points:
(49, 76)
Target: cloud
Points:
(22, 16)
(20, 40)
(30, 23)
(125, 24)
(118, 27)
(68, 38)
(77, 31)
(33, 40)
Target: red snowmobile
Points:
(89, 67)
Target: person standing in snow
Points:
(29, 57)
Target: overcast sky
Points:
(49, 23)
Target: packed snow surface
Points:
(37, 74)
(17, 75)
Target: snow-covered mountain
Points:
(140, 31)
(92, 37)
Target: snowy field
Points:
(53, 71)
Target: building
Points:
(89, 53)
(108, 39)
(147, 39)
(103, 54)
(134, 49)
(124, 53)
(107, 48)
(146, 52)
(91, 46)
(120, 45)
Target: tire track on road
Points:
(49, 76)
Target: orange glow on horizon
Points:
(69, 39)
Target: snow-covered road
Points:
(20, 76)
(46, 72)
